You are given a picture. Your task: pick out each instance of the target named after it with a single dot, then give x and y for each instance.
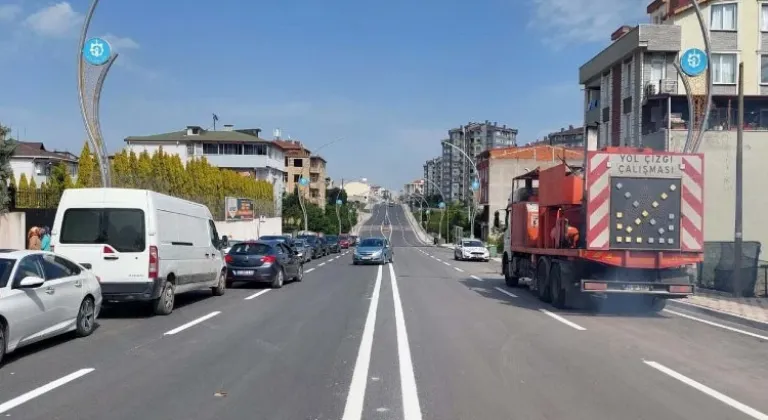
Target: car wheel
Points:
(221, 287)
(279, 279)
(164, 304)
(300, 274)
(2, 342)
(86, 317)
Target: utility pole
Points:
(738, 231)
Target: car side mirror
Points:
(31, 282)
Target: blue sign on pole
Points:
(441, 205)
(475, 185)
(96, 51)
(303, 181)
(693, 62)
(338, 202)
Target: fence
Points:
(716, 272)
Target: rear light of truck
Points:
(680, 289)
(268, 259)
(594, 286)
(154, 262)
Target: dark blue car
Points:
(272, 262)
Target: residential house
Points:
(35, 162)
(242, 151)
(299, 163)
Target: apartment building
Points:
(473, 139)
(415, 187)
(242, 151)
(299, 162)
(433, 176)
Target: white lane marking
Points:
(715, 324)
(563, 320)
(411, 406)
(307, 271)
(261, 292)
(510, 294)
(192, 323)
(709, 391)
(458, 269)
(445, 263)
(50, 386)
(353, 409)
(439, 260)
(321, 264)
(477, 278)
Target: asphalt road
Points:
(426, 337)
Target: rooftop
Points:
(209, 136)
(37, 150)
(537, 152)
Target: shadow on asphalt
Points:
(526, 300)
(128, 310)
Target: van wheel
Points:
(279, 279)
(222, 286)
(164, 304)
(86, 318)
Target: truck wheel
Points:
(543, 288)
(652, 304)
(509, 278)
(558, 291)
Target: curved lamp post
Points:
(441, 205)
(474, 187)
(94, 54)
(304, 181)
(338, 215)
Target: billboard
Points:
(238, 209)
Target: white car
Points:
(471, 249)
(43, 295)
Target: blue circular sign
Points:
(441, 205)
(303, 181)
(693, 62)
(338, 202)
(96, 51)
(475, 185)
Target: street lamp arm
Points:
(469, 159)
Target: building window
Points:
(724, 69)
(627, 80)
(210, 148)
(764, 17)
(190, 150)
(298, 163)
(764, 69)
(296, 177)
(285, 177)
(723, 17)
(286, 162)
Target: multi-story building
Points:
(35, 163)
(567, 137)
(433, 174)
(299, 163)
(634, 96)
(242, 151)
(415, 187)
(473, 139)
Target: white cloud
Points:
(569, 22)
(9, 12)
(55, 21)
(120, 43)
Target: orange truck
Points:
(627, 227)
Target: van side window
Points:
(214, 233)
(122, 229)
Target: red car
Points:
(344, 242)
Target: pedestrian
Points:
(45, 241)
(33, 239)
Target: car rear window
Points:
(251, 249)
(122, 229)
(331, 238)
(6, 266)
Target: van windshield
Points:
(122, 229)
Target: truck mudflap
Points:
(671, 290)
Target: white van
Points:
(144, 246)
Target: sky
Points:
(384, 79)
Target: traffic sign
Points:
(303, 181)
(475, 185)
(441, 205)
(97, 51)
(693, 62)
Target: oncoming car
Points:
(373, 250)
(471, 249)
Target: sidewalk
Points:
(361, 219)
(749, 311)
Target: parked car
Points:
(286, 239)
(145, 246)
(353, 240)
(314, 244)
(333, 244)
(344, 241)
(322, 243)
(271, 262)
(43, 295)
(373, 250)
(471, 249)
(304, 249)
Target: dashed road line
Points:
(192, 323)
(261, 292)
(309, 270)
(476, 278)
(715, 324)
(445, 263)
(563, 320)
(50, 386)
(458, 269)
(508, 293)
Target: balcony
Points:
(316, 169)
(660, 87)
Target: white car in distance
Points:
(471, 249)
(43, 295)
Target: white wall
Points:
(12, 231)
(250, 229)
(170, 148)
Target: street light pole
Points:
(470, 216)
(444, 204)
(738, 228)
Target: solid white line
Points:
(479, 279)
(709, 391)
(563, 320)
(309, 270)
(458, 269)
(353, 409)
(715, 324)
(411, 406)
(259, 293)
(508, 293)
(192, 323)
(50, 386)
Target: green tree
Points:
(332, 194)
(59, 180)
(23, 192)
(7, 148)
(86, 171)
(143, 174)
(121, 170)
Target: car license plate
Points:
(243, 272)
(637, 287)
(367, 257)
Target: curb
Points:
(417, 230)
(725, 316)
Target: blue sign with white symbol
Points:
(338, 202)
(441, 205)
(303, 181)
(693, 62)
(475, 185)
(96, 51)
